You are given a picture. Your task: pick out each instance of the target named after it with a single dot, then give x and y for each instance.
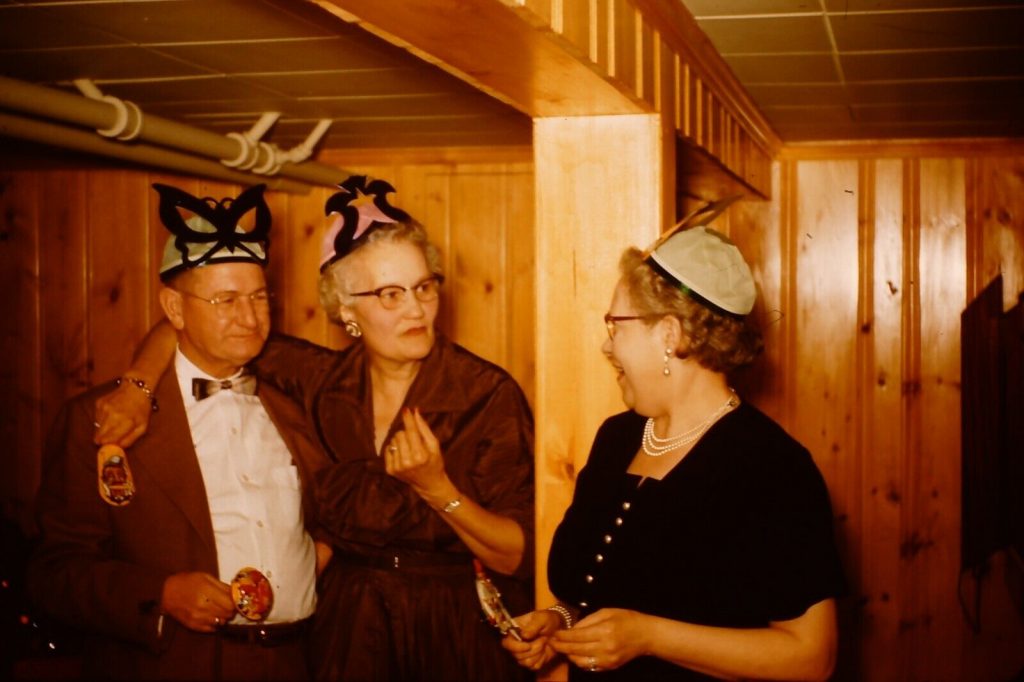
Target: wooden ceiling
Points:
(818, 69)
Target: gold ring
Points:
(392, 449)
(592, 664)
(216, 620)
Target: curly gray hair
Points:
(335, 284)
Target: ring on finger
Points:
(592, 664)
(392, 449)
(216, 620)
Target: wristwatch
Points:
(452, 506)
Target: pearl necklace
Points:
(656, 447)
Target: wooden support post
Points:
(598, 190)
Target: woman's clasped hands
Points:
(536, 629)
(604, 640)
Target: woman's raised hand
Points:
(414, 456)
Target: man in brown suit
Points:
(215, 485)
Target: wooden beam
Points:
(492, 47)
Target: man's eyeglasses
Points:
(393, 296)
(227, 304)
(611, 320)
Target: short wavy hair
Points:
(716, 339)
(335, 285)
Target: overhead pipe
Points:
(46, 132)
(103, 115)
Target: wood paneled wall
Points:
(864, 260)
(864, 264)
(79, 250)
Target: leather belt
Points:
(396, 561)
(268, 635)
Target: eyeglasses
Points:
(393, 296)
(611, 320)
(228, 303)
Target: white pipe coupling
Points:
(250, 145)
(128, 117)
(274, 160)
(247, 154)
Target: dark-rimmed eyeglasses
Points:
(227, 303)
(393, 296)
(611, 320)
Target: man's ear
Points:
(171, 301)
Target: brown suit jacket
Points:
(102, 567)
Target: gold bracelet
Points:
(453, 505)
(142, 386)
(564, 613)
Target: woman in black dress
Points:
(699, 538)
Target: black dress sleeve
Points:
(791, 532)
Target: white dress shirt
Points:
(252, 487)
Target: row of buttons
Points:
(599, 558)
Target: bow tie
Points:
(204, 388)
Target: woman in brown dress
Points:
(433, 463)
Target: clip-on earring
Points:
(666, 371)
(352, 329)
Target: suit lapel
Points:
(167, 454)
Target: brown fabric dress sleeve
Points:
(503, 468)
(294, 366)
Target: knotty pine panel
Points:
(63, 287)
(121, 276)
(995, 190)
(871, 264)
(304, 227)
(20, 333)
(876, 565)
(931, 538)
(479, 272)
